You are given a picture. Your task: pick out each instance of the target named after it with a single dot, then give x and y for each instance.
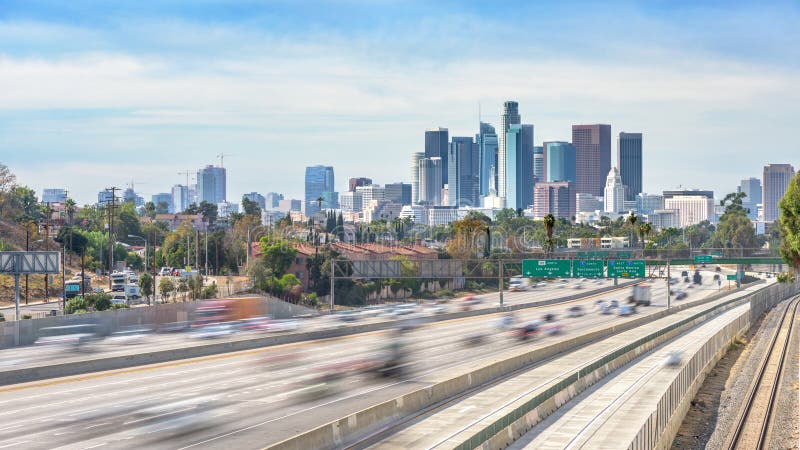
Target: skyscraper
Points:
(557, 198)
(774, 185)
(593, 157)
(437, 142)
(519, 167)
(161, 199)
(430, 181)
(355, 182)
(487, 143)
(211, 185)
(464, 185)
(398, 193)
(510, 117)
(180, 198)
(561, 162)
(273, 200)
(415, 187)
(54, 195)
(629, 161)
(319, 185)
(751, 187)
(538, 164)
(257, 198)
(614, 200)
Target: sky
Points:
(96, 93)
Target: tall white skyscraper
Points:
(614, 200)
(510, 117)
(775, 183)
(415, 159)
(430, 181)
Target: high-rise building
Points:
(538, 164)
(647, 203)
(180, 198)
(464, 185)
(614, 199)
(629, 161)
(560, 161)
(592, 156)
(556, 198)
(257, 198)
(487, 144)
(161, 199)
(319, 185)
(751, 187)
(54, 195)
(211, 185)
(415, 187)
(661, 219)
(693, 206)
(774, 185)
(290, 205)
(587, 203)
(355, 182)
(398, 193)
(437, 142)
(519, 167)
(510, 117)
(273, 200)
(130, 196)
(352, 200)
(370, 196)
(430, 181)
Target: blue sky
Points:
(110, 92)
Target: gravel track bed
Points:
(785, 433)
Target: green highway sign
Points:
(717, 253)
(634, 268)
(590, 268)
(731, 277)
(703, 259)
(546, 268)
(624, 255)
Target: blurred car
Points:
(541, 284)
(130, 335)
(687, 280)
(72, 336)
(674, 281)
(577, 286)
(605, 308)
(255, 323)
(474, 339)
(438, 309)
(549, 317)
(680, 295)
(348, 316)
(627, 310)
(282, 325)
(212, 331)
(718, 269)
(404, 309)
(673, 358)
(716, 276)
(553, 328)
(529, 330)
(613, 304)
(97, 290)
(575, 311)
(506, 321)
(685, 273)
(470, 302)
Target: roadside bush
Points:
(119, 306)
(2, 317)
(209, 291)
(74, 305)
(27, 316)
(786, 277)
(102, 303)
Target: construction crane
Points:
(187, 173)
(221, 157)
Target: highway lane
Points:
(32, 355)
(237, 399)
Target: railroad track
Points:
(754, 424)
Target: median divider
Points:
(363, 423)
(103, 363)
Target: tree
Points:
(208, 210)
(250, 207)
(146, 285)
(277, 255)
(644, 231)
(150, 210)
(790, 223)
(162, 208)
(549, 224)
(26, 205)
(7, 183)
(734, 231)
(632, 219)
(166, 287)
(464, 244)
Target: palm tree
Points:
(549, 224)
(632, 219)
(644, 230)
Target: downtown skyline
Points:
(89, 92)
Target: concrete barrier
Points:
(352, 427)
(101, 363)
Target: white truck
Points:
(118, 281)
(518, 284)
(640, 296)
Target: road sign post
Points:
(17, 263)
(547, 268)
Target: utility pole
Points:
(111, 207)
(46, 248)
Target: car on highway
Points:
(549, 317)
(404, 309)
(613, 304)
(529, 330)
(685, 273)
(626, 310)
(75, 337)
(577, 286)
(718, 269)
(575, 311)
(673, 358)
(348, 316)
(165, 271)
(605, 308)
(680, 295)
(212, 331)
(470, 302)
(516, 284)
(553, 328)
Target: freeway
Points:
(254, 398)
(33, 356)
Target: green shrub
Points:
(209, 291)
(2, 317)
(27, 316)
(102, 303)
(119, 306)
(786, 277)
(75, 304)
